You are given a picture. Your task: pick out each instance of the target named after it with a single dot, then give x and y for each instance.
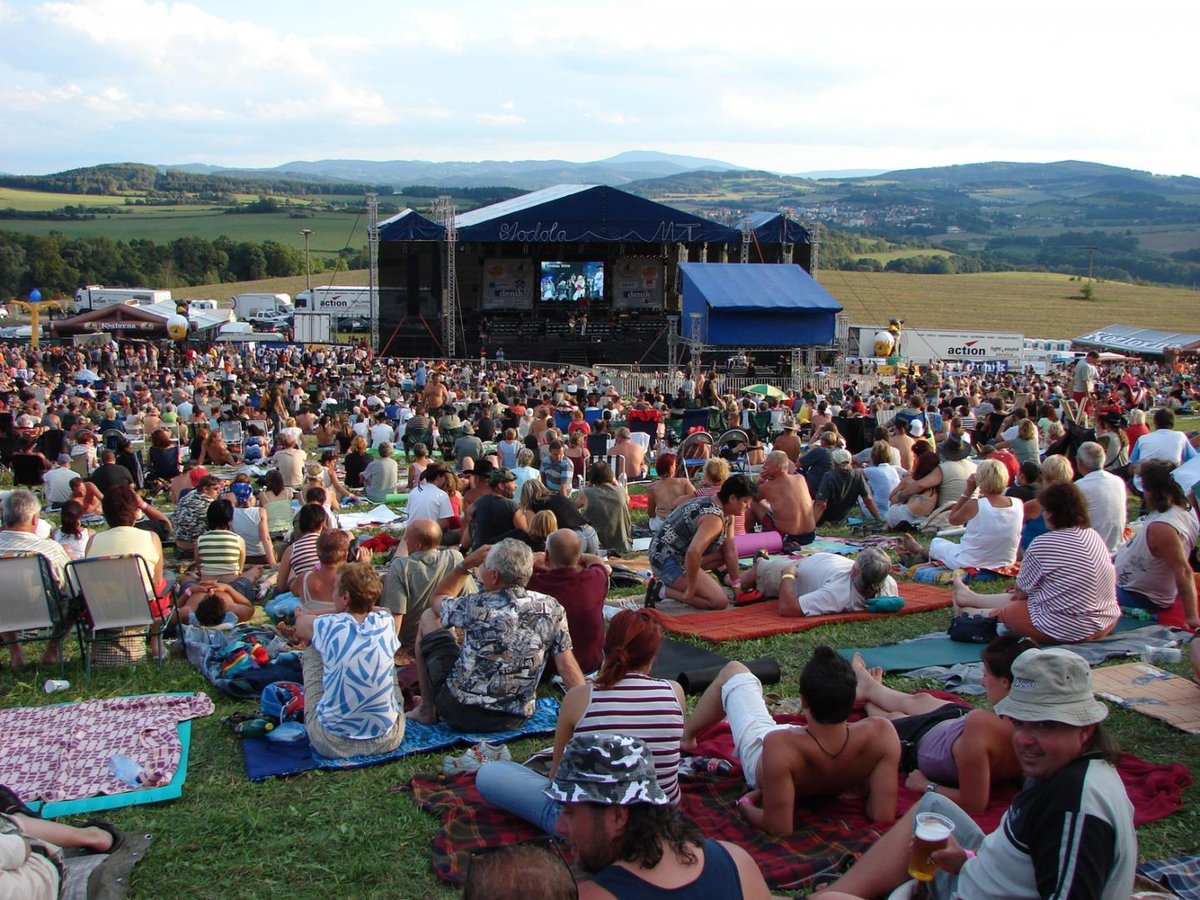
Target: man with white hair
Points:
(490, 684)
(1104, 492)
(822, 583)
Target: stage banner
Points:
(638, 283)
(507, 284)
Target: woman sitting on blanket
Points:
(1056, 469)
(1067, 589)
(953, 750)
(353, 705)
(624, 699)
(993, 524)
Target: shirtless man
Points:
(783, 503)
(635, 456)
(904, 435)
(784, 762)
(435, 394)
(668, 492)
(789, 443)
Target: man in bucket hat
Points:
(628, 836)
(1068, 833)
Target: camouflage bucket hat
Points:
(606, 768)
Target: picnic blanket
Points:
(695, 668)
(270, 759)
(763, 619)
(936, 573)
(1152, 692)
(828, 830)
(219, 655)
(936, 648)
(60, 754)
(1179, 874)
(639, 501)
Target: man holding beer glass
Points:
(1068, 833)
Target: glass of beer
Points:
(931, 833)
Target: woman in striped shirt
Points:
(221, 553)
(624, 699)
(1067, 589)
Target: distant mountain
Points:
(1068, 177)
(615, 171)
(839, 174)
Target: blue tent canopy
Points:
(775, 228)
(410, 225)
(582, 213)
(757, 305)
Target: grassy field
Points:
(1037, 304)
(332, 231)
(289, 285)
(42, 201)
(887, 256)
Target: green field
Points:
(332, 231)
(1040, 304)
(886, 256)
(43, 201)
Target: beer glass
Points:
(931, 833)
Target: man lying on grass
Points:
(827, 757)
(822, 583)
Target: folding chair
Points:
(231, 434)
(112, 439)
(34, 609)
(598, 443)
(730, 439)
(689, 464)
(27, 471)
(616, 462)
(117, 599)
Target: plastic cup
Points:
(930, 834)
(54, 685)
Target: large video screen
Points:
(571, 282)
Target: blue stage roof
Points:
(410, 225)
(757, 305)
(768, 228)
(583, 213)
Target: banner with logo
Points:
(637, 283)
(507, 284)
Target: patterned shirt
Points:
(360, 681)
(507, 636)
(191, 516)
(675, 536)
(219, 552)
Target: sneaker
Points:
(482, 753)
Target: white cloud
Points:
(775, 84)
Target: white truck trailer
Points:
(246, 305)
(340, 301)
(96, 296)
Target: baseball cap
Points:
(610, 769)
(64, 457)
(840, 457)
(1052, 685)
(196, 474)
(916, 428)
(499, 476)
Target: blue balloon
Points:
(35, 296)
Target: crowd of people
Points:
(216, 467)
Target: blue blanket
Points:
(270, 759)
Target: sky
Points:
(787, 86)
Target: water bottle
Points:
(1160, 655)
(125, 770)
(710, 765)
(1136, 612)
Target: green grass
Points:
(332, 231)
(357, 833)
(44, 201)
(886, 256)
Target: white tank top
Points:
(992, 536)
(1138, 570)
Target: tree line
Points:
(56, 264)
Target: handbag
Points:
(971, 629)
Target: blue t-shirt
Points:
(360, 674)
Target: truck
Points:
(923, 345)
(246, 305)
(342, 301)
(96, 296)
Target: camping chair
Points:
(646, 427)
(562, 419)
(117, 603)
(414, 435)
(738, 460)
(691, 465)
(697, 417)
(33, 608)
(231, 434)
(447, 439)
(112, 438)
(616, 462)
(598, 443)
(718, 419)
(279, 517)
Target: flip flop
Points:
(117, 838)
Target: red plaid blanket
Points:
(829, 831)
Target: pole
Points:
(307, 232)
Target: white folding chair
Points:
(117, 595)
(33, 608)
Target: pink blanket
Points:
(62, 752)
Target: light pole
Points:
(307, 232)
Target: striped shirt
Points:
(304, 554)
(220, 553)
(646, 708)
(1071, 583)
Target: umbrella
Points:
(764, 390)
